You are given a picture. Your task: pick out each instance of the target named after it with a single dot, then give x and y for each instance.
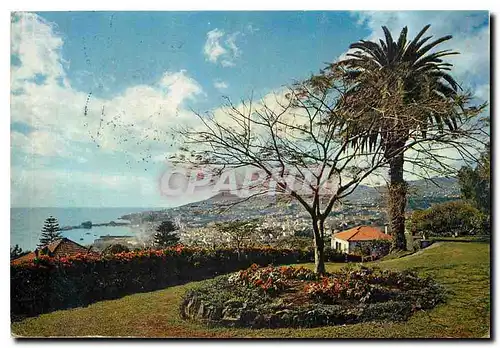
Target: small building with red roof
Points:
(346, 241)
(63, 247)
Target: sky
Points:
(93, 92)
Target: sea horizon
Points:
(27, 223)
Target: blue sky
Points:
(148, 70)
(109, 52)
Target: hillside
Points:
(226, 206)
(439, 187)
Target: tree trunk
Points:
(319, 247)
(397, 203)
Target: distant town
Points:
(366, 206)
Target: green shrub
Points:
(270, 280)
(294, 242)
(332, 255)
(295, 297)
(448, 219)
(376, 248)
(416, 245)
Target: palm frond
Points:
(428, 47)
(390, 45)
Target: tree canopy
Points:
(399, 90)
(448, 219)
(165, 235)
(301, 143)
(475, 183)
(50, 231)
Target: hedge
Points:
(47, 284)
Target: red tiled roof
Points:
(66, 247)
(58, 248)
(25, 258)
(362, 233)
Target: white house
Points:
(346, 241)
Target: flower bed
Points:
(295, 297)
(270, 279)
(46, 284)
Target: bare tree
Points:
(299, 140)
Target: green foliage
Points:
(17, 252)
(47, 284)
(416, 245)
(304, 233)
(404, 70)
(271, 280)
(448, 219)
(376, 248)
(475, 183)
(165, 235)
(269, 236)
(398, 86)
(274, 297)
(463, 268)
(295, 242)
(50, 231)
(484, 165)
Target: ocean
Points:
(26, 224)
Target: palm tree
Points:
(394, 78)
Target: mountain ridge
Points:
(440, 186)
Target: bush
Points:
(294, 242)
(294, 297)
(332, 255)
(47, 284)
(376, 248)
(448, 219)
(416, 245)
(270, 280)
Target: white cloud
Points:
(39, 143)
(37, 46)
(220, 85)
(64, 117)
(482, 92)
(231, 43)
(221, 48)
(213, 49)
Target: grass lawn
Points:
(463, 268)
(483, 239)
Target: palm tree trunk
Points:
(397, 203)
